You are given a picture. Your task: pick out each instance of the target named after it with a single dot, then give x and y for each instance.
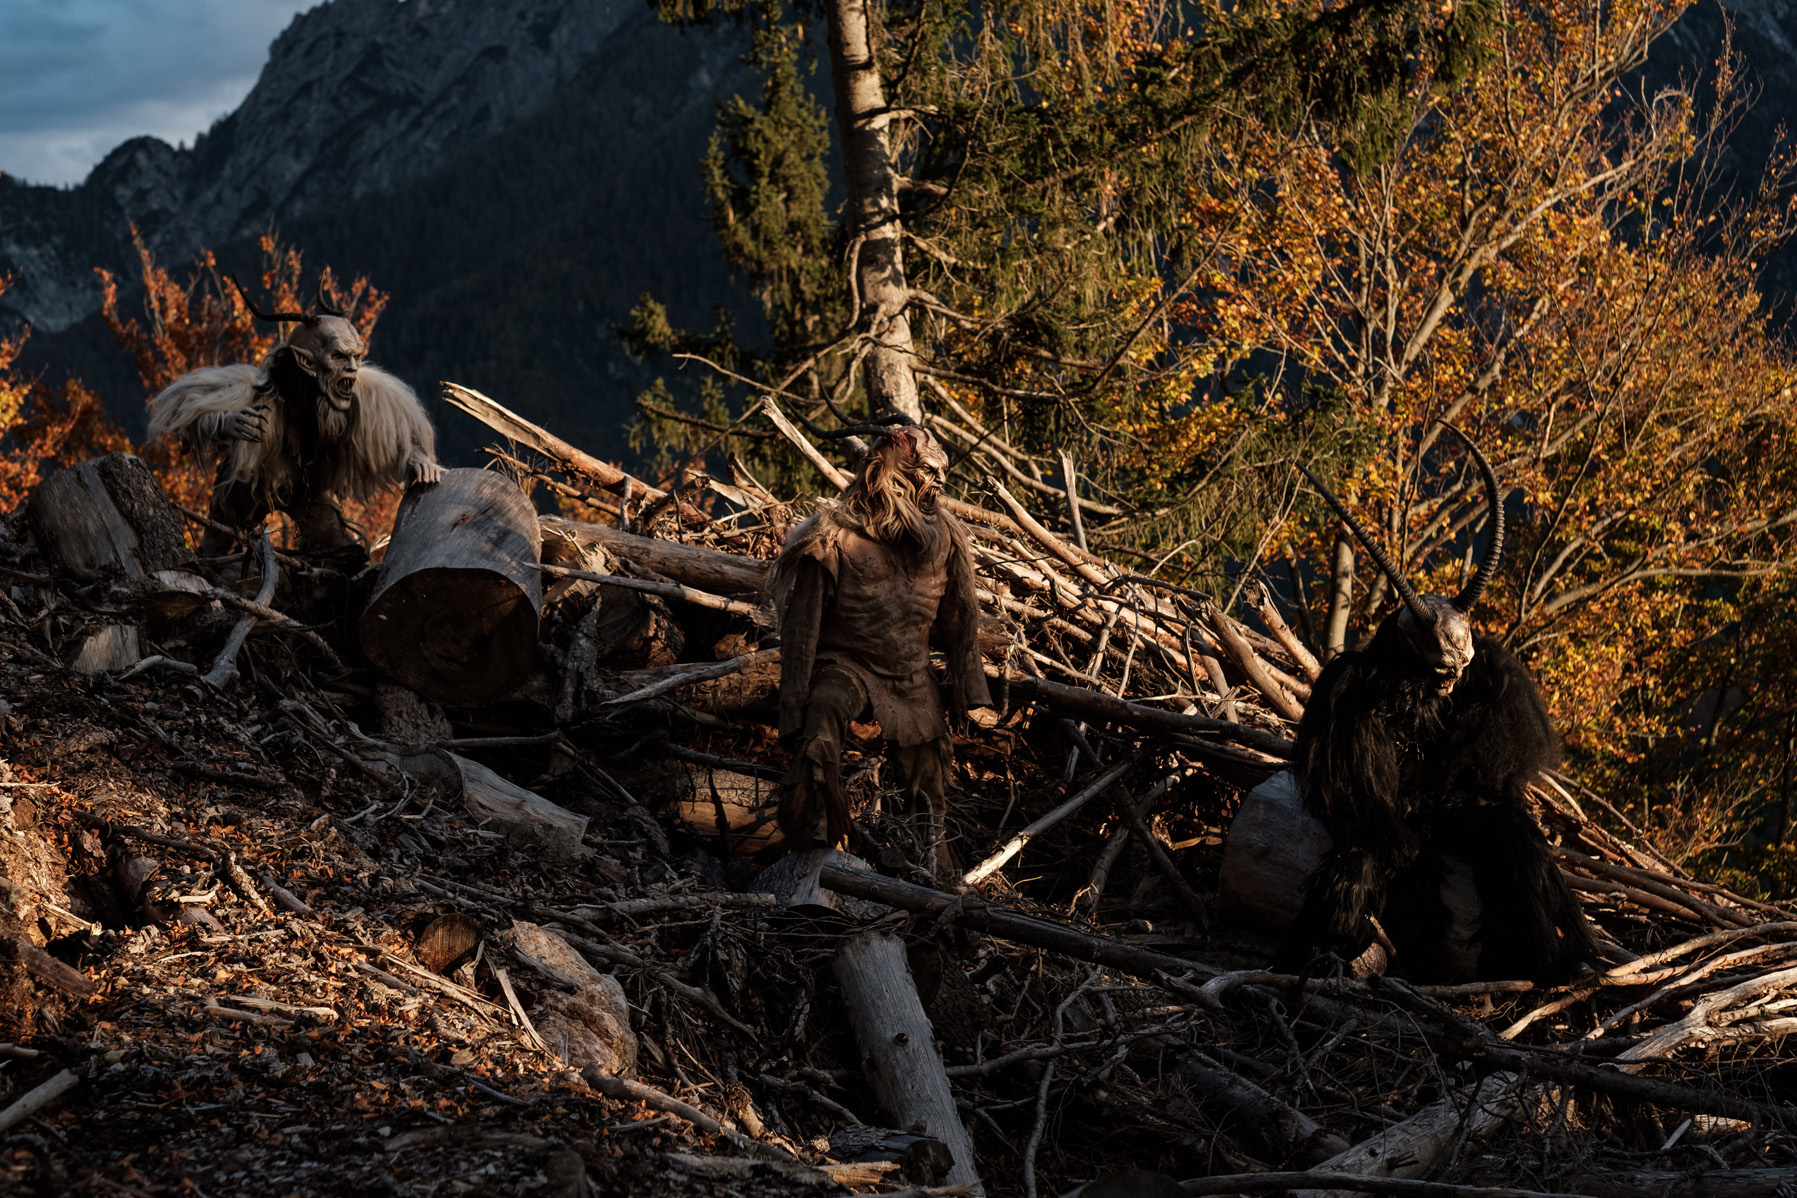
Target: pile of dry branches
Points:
(251, 939)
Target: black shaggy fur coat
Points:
(1403, 776)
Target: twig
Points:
(38, 1098)
(667, 590)
(1012, 847)
(627, 1091)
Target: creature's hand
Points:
(426, 471)
(245, 425)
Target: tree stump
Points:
(454, 612)
(108, 518)
(1273, 846)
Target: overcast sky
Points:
(77, 77)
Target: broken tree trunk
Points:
(898, 1047)
(514, 427)
(525, 814)
(108, 518)
(1416, 1146)
(1273, 846)
(454, 612)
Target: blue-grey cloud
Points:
(77, 77)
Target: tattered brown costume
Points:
(863, 591)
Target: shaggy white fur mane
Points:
(392, 435)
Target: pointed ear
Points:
(304, 359)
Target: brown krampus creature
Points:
(863, 590)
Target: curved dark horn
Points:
(271, 317)
(1494, 552)
(1404, 589)
(325, 307)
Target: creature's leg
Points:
(813, 807)
(320, 522)
(236, 505)
(1339, 895)
(1532, 926)
(1417, 919)
(922, 773)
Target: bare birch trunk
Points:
(878, 259)
(1341, 597)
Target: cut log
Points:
(526, 815)
(704, 569)
(918, 1160)
(454, 612)
(1273, 846)
(106, 649)
(714, 803)
(107, 518)
(898, 1047)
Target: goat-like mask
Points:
(1436, 629)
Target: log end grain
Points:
(454, 614)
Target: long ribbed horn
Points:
(271, 317)
(1494, 552)
(324, 306)
(1404, 589)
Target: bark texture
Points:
(871, 179)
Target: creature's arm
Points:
(421, 465)
(957, 628)
(1349, 765)
(211, 405)
(395, 440)
(806, 590)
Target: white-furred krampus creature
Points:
(863, 590)
(314, 424)
(1423, 746)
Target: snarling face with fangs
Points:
(331, 351)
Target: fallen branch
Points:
(667, 590)
(38, 1098)
(224, 666)
(1012, 925)
(1099, 708)
(514, 427)
(1268, 1183)
(1012, 847)
(686, 675)
(627, 1091)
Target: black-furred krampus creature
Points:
(1420, 746)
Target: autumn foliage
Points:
(43, 429)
